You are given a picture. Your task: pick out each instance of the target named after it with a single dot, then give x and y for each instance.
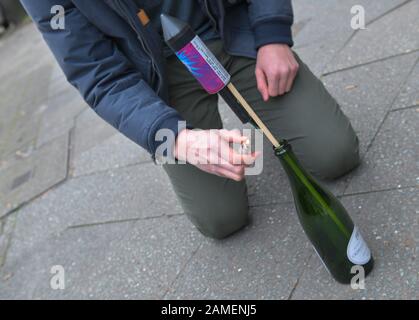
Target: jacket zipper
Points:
(142, 42)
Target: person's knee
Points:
(225, 223)
(340, 157)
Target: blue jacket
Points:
(117, 64)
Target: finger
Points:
(249, 161)
(256, 154)
(242, 159)
(220, 171)
(239, 170)
(289, 83)
(273, 84)
(228, 174)
(262, 84)
(282, 86)
(225, 152)
(291, 78)
(218, 160)
(234, 136)
(228, 154)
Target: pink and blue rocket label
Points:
(204, 66)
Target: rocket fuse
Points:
(205, 67)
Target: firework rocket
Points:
(194, 54)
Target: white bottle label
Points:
(358, 251)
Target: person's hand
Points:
(276, 69)
(211, 151)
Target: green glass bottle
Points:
(330, 229)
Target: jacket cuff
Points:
(173, 124)
(272, 31)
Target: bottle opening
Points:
(282, 149)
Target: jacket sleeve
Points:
(103, 75)
(271, 21)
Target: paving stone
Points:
(315, 42)
(367, 92)
(262, 262)
(318, 42)
(97, 146)
(24, 179)
(315, 29)
(389, 223)
(132, 193)
(90, 130)
(22, 52)
(57, 78)
(393, 34)
(18, 138)
(118, 261)
(409, 95)
(316, 56)
(21, 121)
(114, 152)
(58, 114)
(6, 230)
(392, 161)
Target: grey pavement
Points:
(76, 193)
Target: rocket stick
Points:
(205, 67)
(253, 115)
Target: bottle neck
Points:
(297, 175)
(282, 149)
(287, 157)
(290, 162)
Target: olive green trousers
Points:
(308, 117)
